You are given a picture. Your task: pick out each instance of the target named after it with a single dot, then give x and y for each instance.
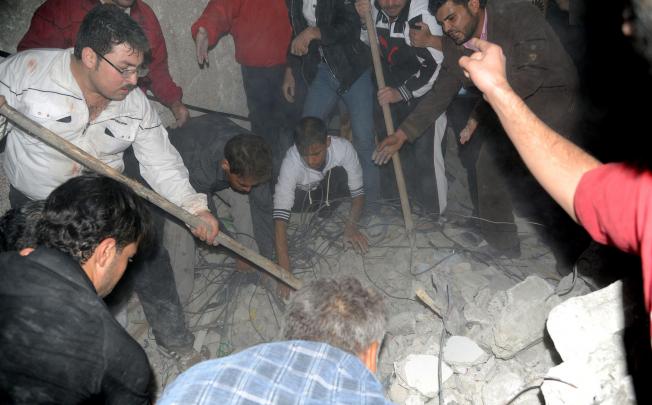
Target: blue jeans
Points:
(320, 101)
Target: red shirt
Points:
(56, 22)
(614, 203)
(260, 29)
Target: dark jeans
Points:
(272, 117)
(152, 277)
(417, 161)
(322, 98)
(500, 182)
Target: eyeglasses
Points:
(139, 71)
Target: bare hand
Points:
(354, 238)
(209, 228)
(469, 129)
(363, 7)
(289, 85)
(201, 45)
(486, 68)
(299, 45)
(388, 147)
(421, 38)
(180, 112)
(2, 101)
(388, 95)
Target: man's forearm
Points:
(357, 205)
(555, 162)
(281, 243)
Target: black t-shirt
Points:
(58, 341)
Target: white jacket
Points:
(40, 84)
(296, 173)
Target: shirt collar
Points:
(483, 35)
(401, 19)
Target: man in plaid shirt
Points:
(333, 329)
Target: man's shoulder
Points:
(37, 59)
(140, 8)
(67, 8)
(272, 369)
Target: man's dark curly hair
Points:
(310, 131)
(18, 227)
(434, 5)
(106, 26)
(249, 156)
(85, 210)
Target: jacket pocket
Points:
(58, 118)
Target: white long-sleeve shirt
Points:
(295, 173)
(40, 84)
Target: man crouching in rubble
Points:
(59, 343)
(314, 175)
(226, 161)
(332, 332)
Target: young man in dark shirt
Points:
(58, 341)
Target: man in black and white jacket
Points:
(410, 71)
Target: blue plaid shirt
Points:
(293, 372)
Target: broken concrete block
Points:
(599, 378)
(520, 315)
(464, 352)
(501, 388)
(419, 372)
(592, 318)
(589, 388)
(398, 393)
(467, 281)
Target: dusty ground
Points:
(229, 311)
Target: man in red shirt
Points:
(612, 201)
(56, 22)
(261, 33)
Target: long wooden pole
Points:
(78, 155)
(389, 124)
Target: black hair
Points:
(18, 226)
(106, 26)
(85, 210)
(310, 131)
(249, 156)
(434, 5)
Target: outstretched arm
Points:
(281, 241)
(555, 162)
(352, 234)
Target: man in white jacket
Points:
(315, 165)
(89, 97)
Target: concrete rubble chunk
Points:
(501, 388)
(462, 351)
(587, 333)
(520, 315)
(467, 280)
(419, 372)
(593, 317)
